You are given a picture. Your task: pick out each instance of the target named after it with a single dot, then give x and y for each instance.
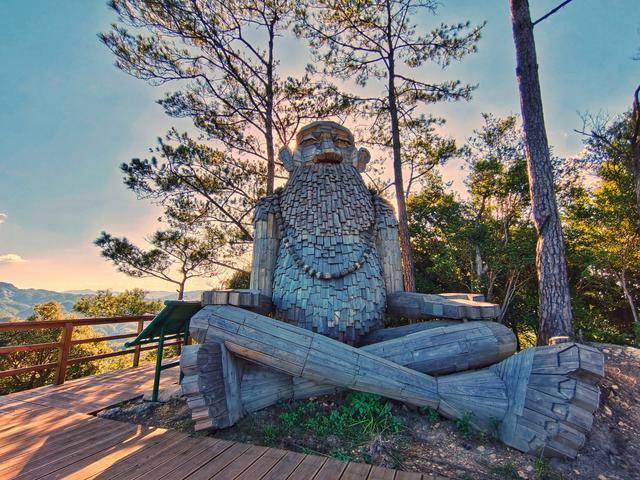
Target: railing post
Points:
(156, 376)
(136, 355)
(63, 355)
(186, 337)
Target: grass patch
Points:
(432, 415)
(337, 430)
(506, 470)
(463, 424)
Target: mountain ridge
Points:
(19, 302)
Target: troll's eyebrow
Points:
(307, 137)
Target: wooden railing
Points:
(66, 342)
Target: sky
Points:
(69, 118)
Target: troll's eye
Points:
(342, 143)
(306, 141)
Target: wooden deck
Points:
(48, 433)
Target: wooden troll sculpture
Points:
(326, 263)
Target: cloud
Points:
(11, 258)
(3, 217)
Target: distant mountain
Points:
(19, 302)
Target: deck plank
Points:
(331, 470)
(184, 469)
(262, 465)
(48, 433)
(308, 468)
(400, 475)
(379, 473)
(356, 471)
(285, 466)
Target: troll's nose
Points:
(328, 152)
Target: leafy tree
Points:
(379, 40)
(618, 140)
(105, 303)
(503, 238)
(44, 312)
(605, 245)
(185, 250)
(224, 58)
(190, 176)
(485, 242)
(239, 279)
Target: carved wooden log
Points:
(384, 334)
(421, 305)
(540, 399)
(211, 384)
(254, 300)
(436, 351)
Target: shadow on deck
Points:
(48, 433)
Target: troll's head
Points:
(324, 142)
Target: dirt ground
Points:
(426, 443)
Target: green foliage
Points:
(432, 415)
(270, 434)
(604, 255)
(542, 466)
(463, 424)
(189, 248)
(507, 470)
(239, 279)
(224, 61)
(105, 303)
(484, 242)
(44, 312)
(361, 417)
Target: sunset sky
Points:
(68, 118)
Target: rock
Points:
(607, 411)
(481, 449)
(165, 394)
(141, 408)
(529, 468)
(111, 413)
(521, 474)
(602, 477)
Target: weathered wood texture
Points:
(301, 353)
(388, 246)
(211, 384)
(328, 276)
(421, 305)
(250, 299)
(42, 442)
(265, 247)
(435, 351)
(551, 264)
(96, 392)
(384, 334)
(326, 249)
(542, 398)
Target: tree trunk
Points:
(403, 224)
(555, 302)
(271, 165)
(635, 148)
(181, 290)
(632, 304)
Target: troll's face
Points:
(324, 142)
